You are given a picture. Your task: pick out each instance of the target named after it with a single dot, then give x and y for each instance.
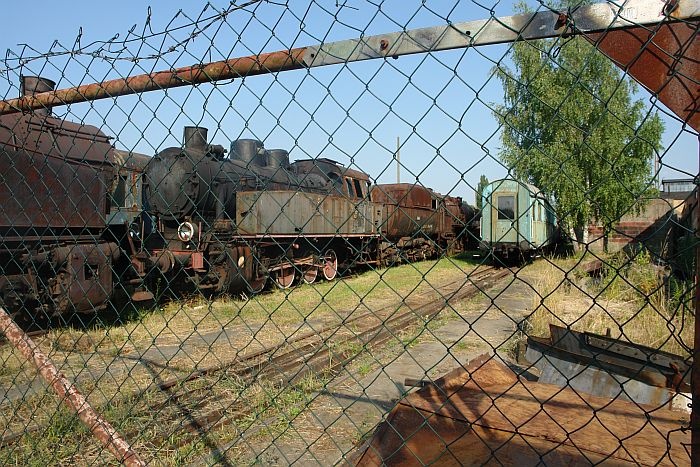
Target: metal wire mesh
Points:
(476, 244)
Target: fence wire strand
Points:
(353, 232)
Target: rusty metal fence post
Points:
(695, 413)
(69, 394)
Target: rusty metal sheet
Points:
(583, 377)
(695, 415)
(665, 59)
(406, 195)
(484, 414)
(408, 210)
(55, 173)
(55, 138)
(648, 365)
(300, 213)
(43, 191)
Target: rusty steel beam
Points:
(593, 18)
(68, 393)
(186, 76)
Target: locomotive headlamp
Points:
(186, 231)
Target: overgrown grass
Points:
(634, 300)
(113, 367)
(159, 426)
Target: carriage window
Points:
(506, 207)
(369, 192)
(348, 183)
(358, 188)
(434, 203)
(119, 195)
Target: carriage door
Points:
(505, 224)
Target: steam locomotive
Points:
(63, 244)
(83, 222)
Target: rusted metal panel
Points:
(649, 365)
(69, 394)
(55, 137)
(695, 380)
(407, 195)
(300, 213)
(408, 210)
(608, 367)
(86, 284)
(665, 59)
(485, 414)
(43, 191)
(55, 173)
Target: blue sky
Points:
(437, 104)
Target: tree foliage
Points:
(571, 126)
(483, 181)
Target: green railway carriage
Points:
(517, 220)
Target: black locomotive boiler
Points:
(228, 223)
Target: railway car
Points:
(57, 251)
(517, 220)
(228, 223)
(470, 236)
(419, 223)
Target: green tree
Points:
(572, 127)
(483, 181)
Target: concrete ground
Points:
(340, 417)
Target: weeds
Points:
(634, 300)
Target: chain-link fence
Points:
(475, 244)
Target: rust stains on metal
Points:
(664, 59)
(695, 378)
(485, 414)
(68, 393)
(196, 74)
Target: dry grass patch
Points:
(117, 366)
(628, 302)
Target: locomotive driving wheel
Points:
(330, 265)
(257, 285)
(284, 277)
(309, 273)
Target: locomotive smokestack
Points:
(31, 85)
(249, 151)
(195, 138)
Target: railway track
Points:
(326, 350)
